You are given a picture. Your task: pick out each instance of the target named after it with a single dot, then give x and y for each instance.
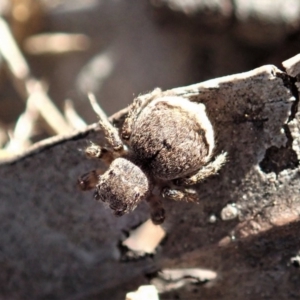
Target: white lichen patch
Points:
(144, 292)
(229, 212)
(145, 238)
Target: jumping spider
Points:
(165, 145)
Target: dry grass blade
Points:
(30, 88)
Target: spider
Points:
(165, 146)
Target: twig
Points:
(31, 87)
(56, 43)
(20, 138)
(72, 117)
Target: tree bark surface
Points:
(56, 242)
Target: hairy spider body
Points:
(170, 145)
(169, 139)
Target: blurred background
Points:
(52, 52)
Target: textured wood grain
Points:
(57, 243)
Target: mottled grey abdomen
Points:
(169, 140)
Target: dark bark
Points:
(58, 243)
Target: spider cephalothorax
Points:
(166, 144)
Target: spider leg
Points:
(156, 210)
(89, 180)
(210, 169)
(98, 152)
(110, 132)
(134, 110)
(188, 195)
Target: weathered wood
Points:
(56, 242)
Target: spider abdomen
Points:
(172, 137)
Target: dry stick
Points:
(56, 43)
(72, 116)
(11, 53)
(20, 138)
(34, 90)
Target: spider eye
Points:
(119, 208)
(98, 196)
(125, 136)
(111, 173)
